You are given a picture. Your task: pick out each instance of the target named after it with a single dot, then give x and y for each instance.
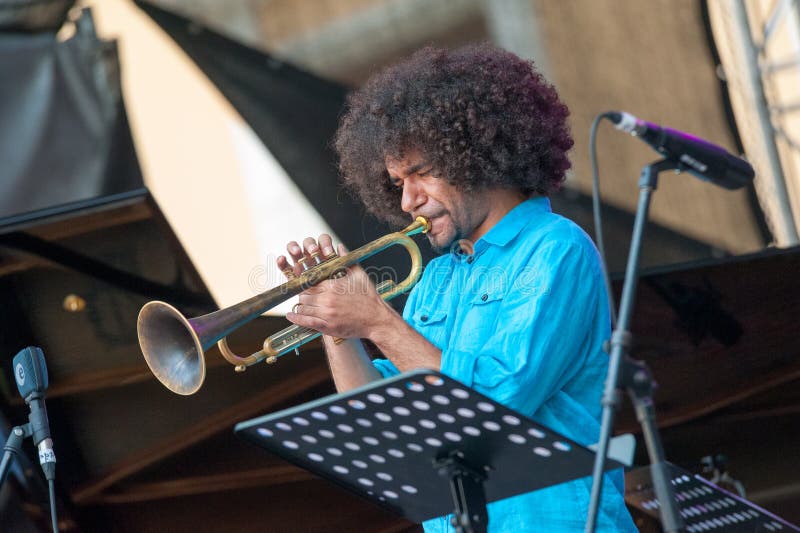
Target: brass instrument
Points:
(173, 345)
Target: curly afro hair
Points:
(480, 116)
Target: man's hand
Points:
(347, 307)
(307, 256)
(350, 308)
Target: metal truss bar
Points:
(777, 66)
(775, 18)
(784, 109)
(783, 217)
(779, 132)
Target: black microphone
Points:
(30, 373)
(707, 161)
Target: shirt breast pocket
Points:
(480, 319)
(430, 323)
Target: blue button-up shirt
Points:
(522, 320)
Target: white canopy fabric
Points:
(228, 200)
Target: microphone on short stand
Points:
(707, 161)
(30, 373)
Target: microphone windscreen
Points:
(30, 371)
(740, 173)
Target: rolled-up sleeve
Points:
(385, 366)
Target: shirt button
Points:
(470, 259)
(484, 297)
(424, 318)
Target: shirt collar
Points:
(512, 223)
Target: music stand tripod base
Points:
(388, 441)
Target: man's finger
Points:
(307, 321)
(326, 245)
(284, 266)
(311, 250)
(295, 251)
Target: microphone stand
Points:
(12, 449)
(639, 383)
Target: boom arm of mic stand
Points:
(620, 341)
(13, 447)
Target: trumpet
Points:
(173, 346)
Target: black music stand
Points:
(393, 441)
(702, 505)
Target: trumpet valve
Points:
(271, 359)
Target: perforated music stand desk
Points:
(399, 442)
(703, 505)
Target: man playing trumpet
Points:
(475, 140)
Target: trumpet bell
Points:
(171, 348)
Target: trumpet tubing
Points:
(173, 346)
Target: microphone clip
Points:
(13, 448)
(648, 178)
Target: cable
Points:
(52, 485)
(598, 222)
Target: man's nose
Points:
(413, 196)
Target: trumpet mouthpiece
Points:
(426, 224)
